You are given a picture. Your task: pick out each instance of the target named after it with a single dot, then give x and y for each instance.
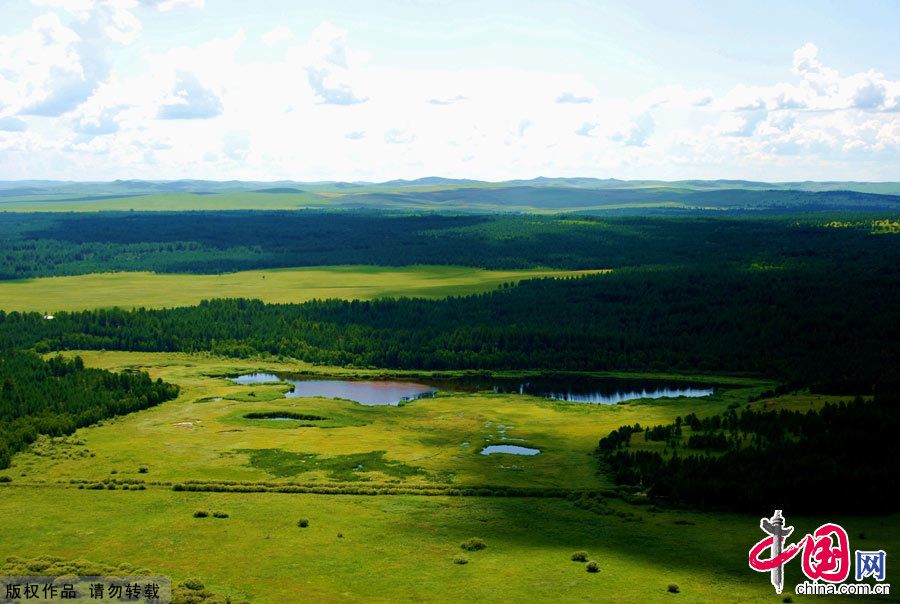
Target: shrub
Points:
(220, 515)
(114, 472)
(579, 556)
(200, 514)
(193, 584)
(593, 566)
(787, 599)
(340, 535)
(673, 589)
(5, 479)
(143, 470)
(460, 560)
(178, 487)
(473, 545)
(303, 523)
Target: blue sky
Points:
(224, 89)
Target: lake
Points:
(573, 389)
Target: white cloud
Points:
(742, 122)
(51, 68)
(167, 5)
(331, 69)
(277, 35)
(636, 132)
(571, 97)
(586, 129)
(101, 123)
(320, 109)
(448, 101)
(397, 136)
(190, 99)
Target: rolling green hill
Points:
(540, 194)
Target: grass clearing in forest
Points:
(289, 285)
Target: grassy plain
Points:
(175, 202)
(153, 290)
(385, 547)
(165, 202)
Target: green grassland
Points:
(151, 290)
(407, 200)
(400, 547)
(164, 202)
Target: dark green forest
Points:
(57, 396)
(782, 297)
(834, 328)
(37, 245)
(840, 459)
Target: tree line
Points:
(842, 458)
(833, 329)
(36, 245)
(57, 396)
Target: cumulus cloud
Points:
(53, 66)
(396, 136)
(277, 35)
(586, 129)
(153, 120)
(167, 5)
(190, 100)
(636, 131)
(448, 100)
(330, 70)
(571, 97)
(49, 69)
(102, 123)
(741, 123)
(826, 89)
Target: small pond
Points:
(509, 450)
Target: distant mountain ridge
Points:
(540, 194)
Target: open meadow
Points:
(126, 491)
(153, 290)
(423, 301)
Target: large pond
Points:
(582, 389)
(575, 389)
(364, 392)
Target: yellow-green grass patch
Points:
(155, 290)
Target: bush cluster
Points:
(473, 545)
